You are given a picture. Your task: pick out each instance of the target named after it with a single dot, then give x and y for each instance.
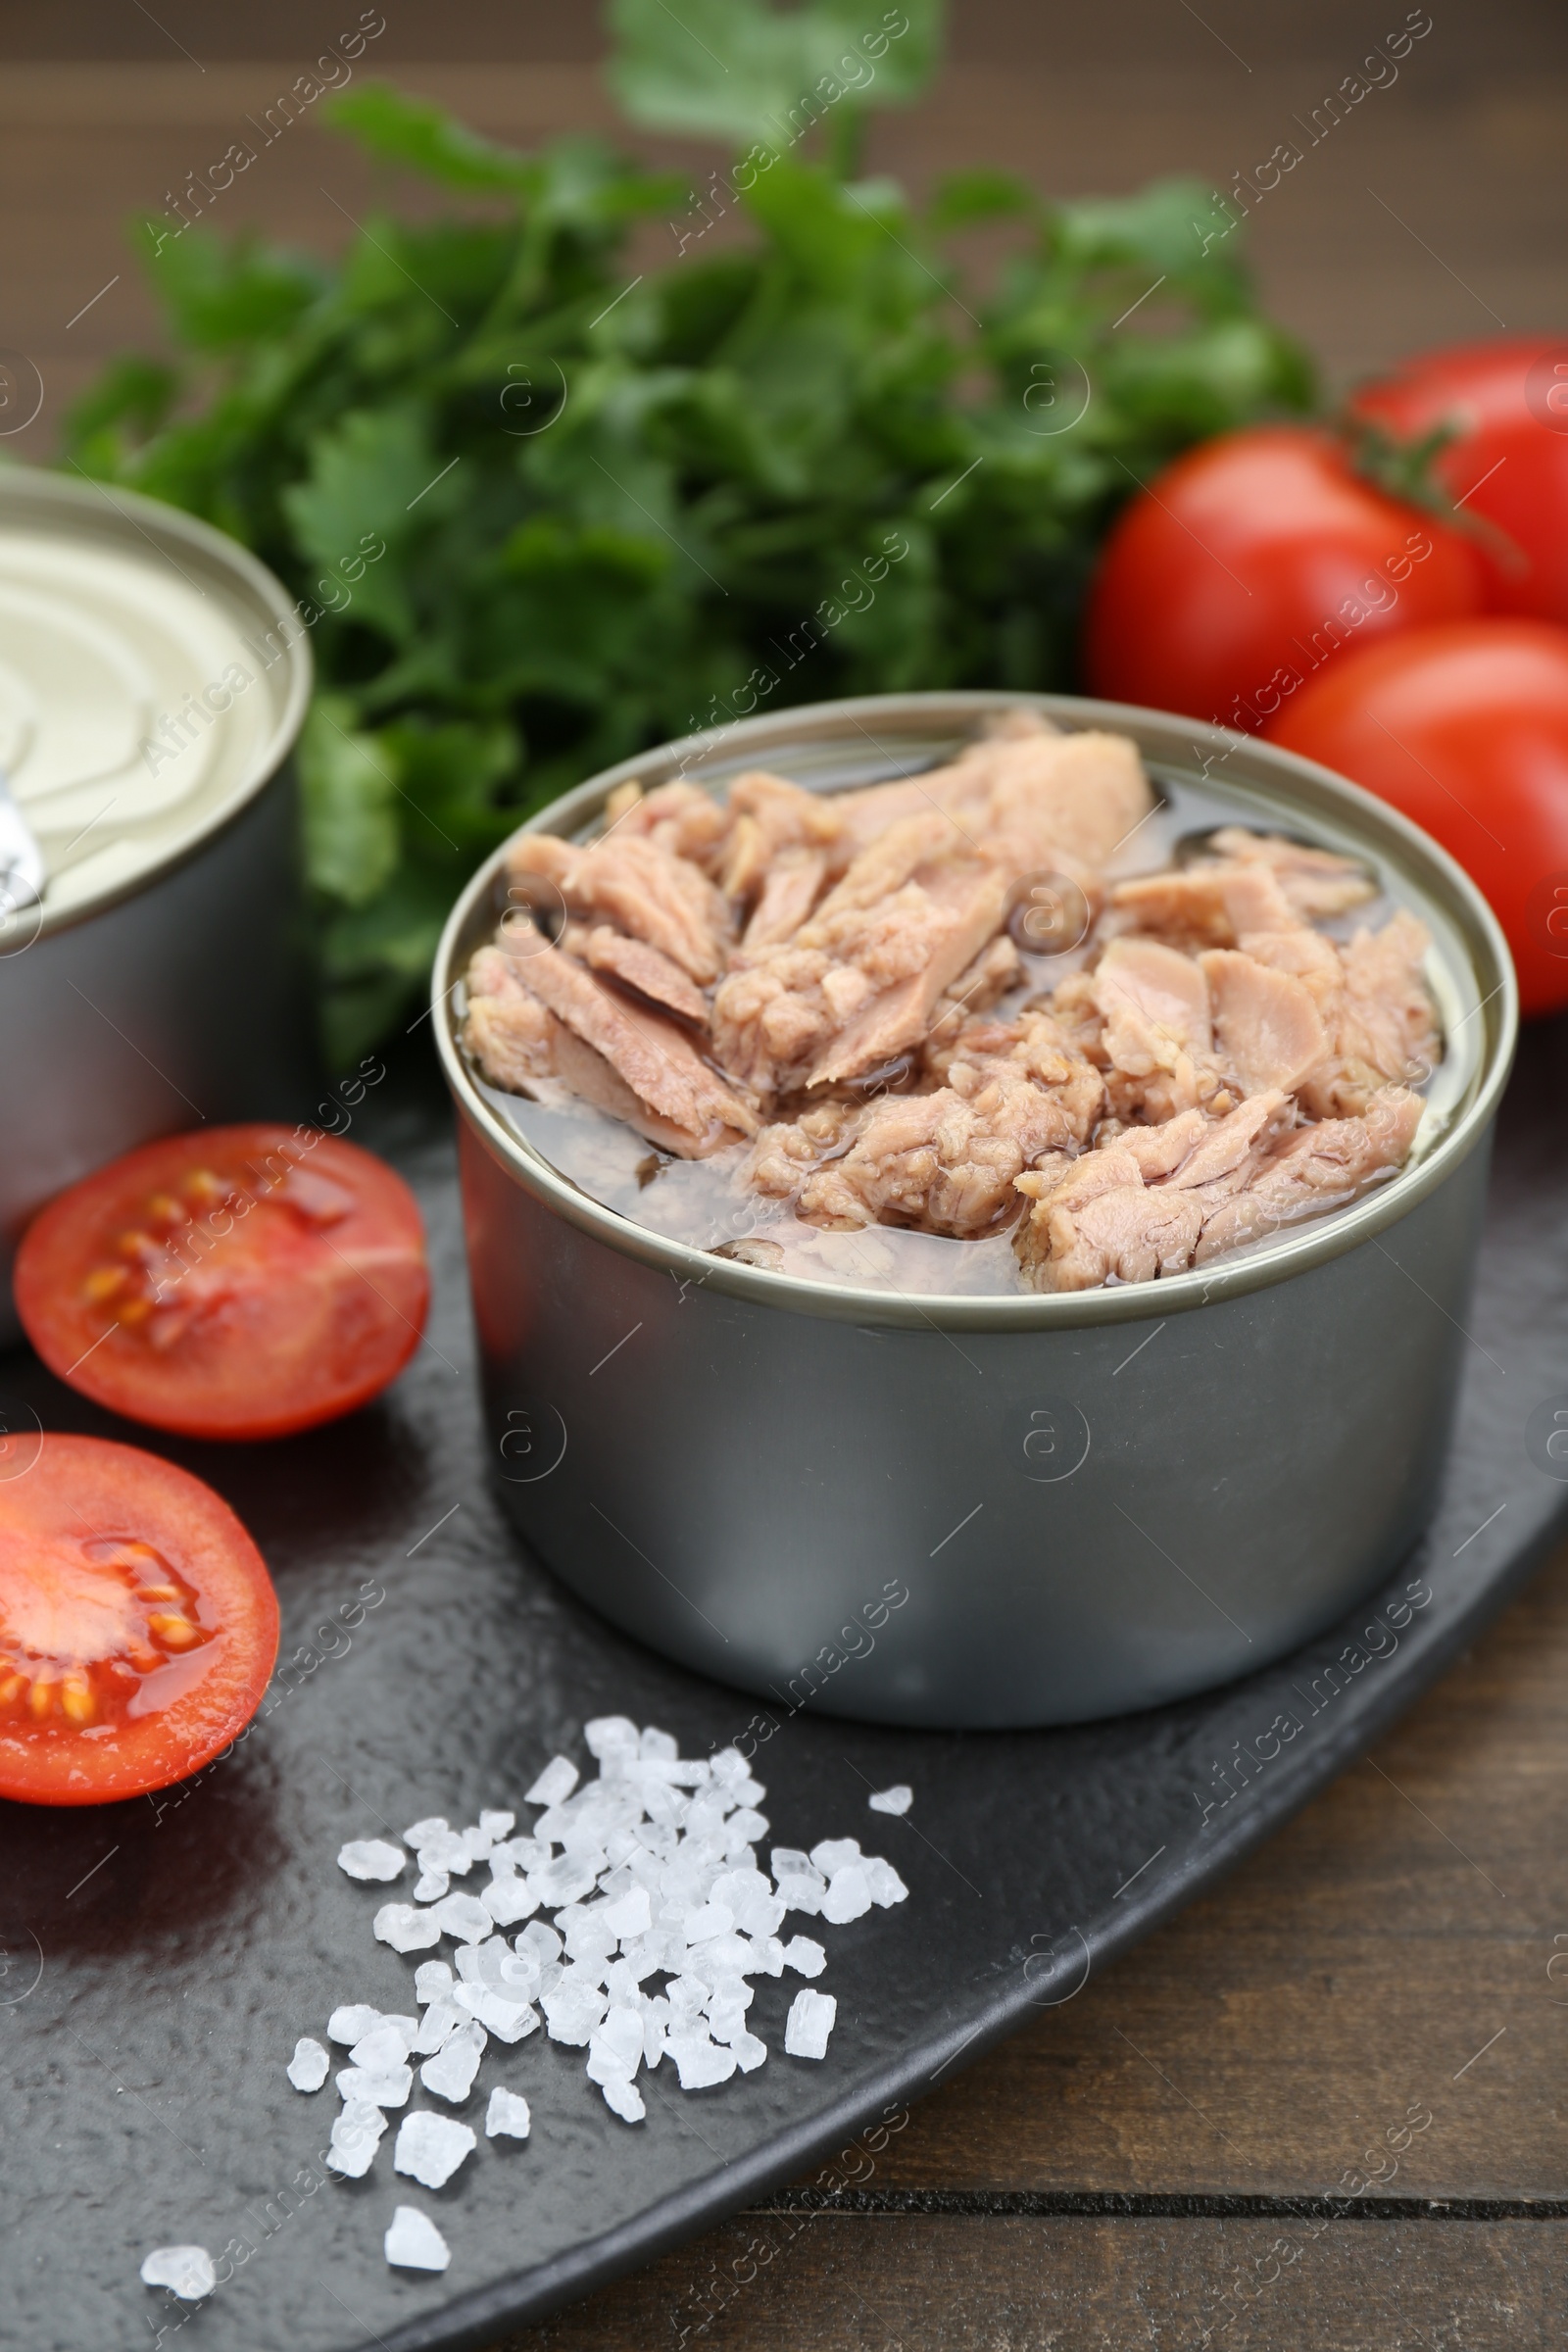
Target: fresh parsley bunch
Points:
(632, 478)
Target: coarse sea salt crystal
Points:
(382, 2086)
(355, 2138)
(752, 1902)
(573, 2012)
(187, 2271)
(506, 2117)
(515, 1975)
(648, 1883)
(897, 1800)
(625, 2100)
(686, 1997)
(809, 2022)
(509, 2021)
(612, 1737)
(833, 1854)
(431, 2147)
(883, 1883)
(726, 2010)
(523, 1853)
(554, 1784)
(706, 1919)
(509, 1899)
(562, 1882)
(587, 1968)
(621, 1984)
(450, 2074)
(357, 2119)
(656, 2017)
(699, 2060)
(848, 1895)
(619, 2039)
(719, 1956)
(412, 2241)
(659, 1948)
(386, 2044)
(463, 1917)
(555, 1825)
(352, 2023)
(631, 1915)
(588, 1934)
(371, 1858)
(447, 1850)
(801, 1886)
(442, 2020)
(404, 1928)
(308, 2068)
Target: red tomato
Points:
(138, 1625)
(1509, 400)
(1465, 729)
(240, 1281)
(1251, 561)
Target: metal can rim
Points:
(153, 517)
(1440, 878)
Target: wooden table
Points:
(1157, 2159)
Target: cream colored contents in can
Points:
(834, 1005)
(137, 703)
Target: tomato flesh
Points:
(1465, 729)
(138, 1625)
(1249, 565)
(239, 1282)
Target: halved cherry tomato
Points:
(1508, 402)
(138, 1625)
(1465, 729)
(1251, 563)
(240, 1281)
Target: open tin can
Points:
(153, 680)
(958, 1510)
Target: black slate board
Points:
(162, 1957)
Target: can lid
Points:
(152, 676)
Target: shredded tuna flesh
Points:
(645, 969)
(828, 986)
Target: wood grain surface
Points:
(1437, 209)
(1193, 2143)
(1181, 2155)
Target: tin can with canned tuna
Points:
(865, 1488)
(153, 680)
